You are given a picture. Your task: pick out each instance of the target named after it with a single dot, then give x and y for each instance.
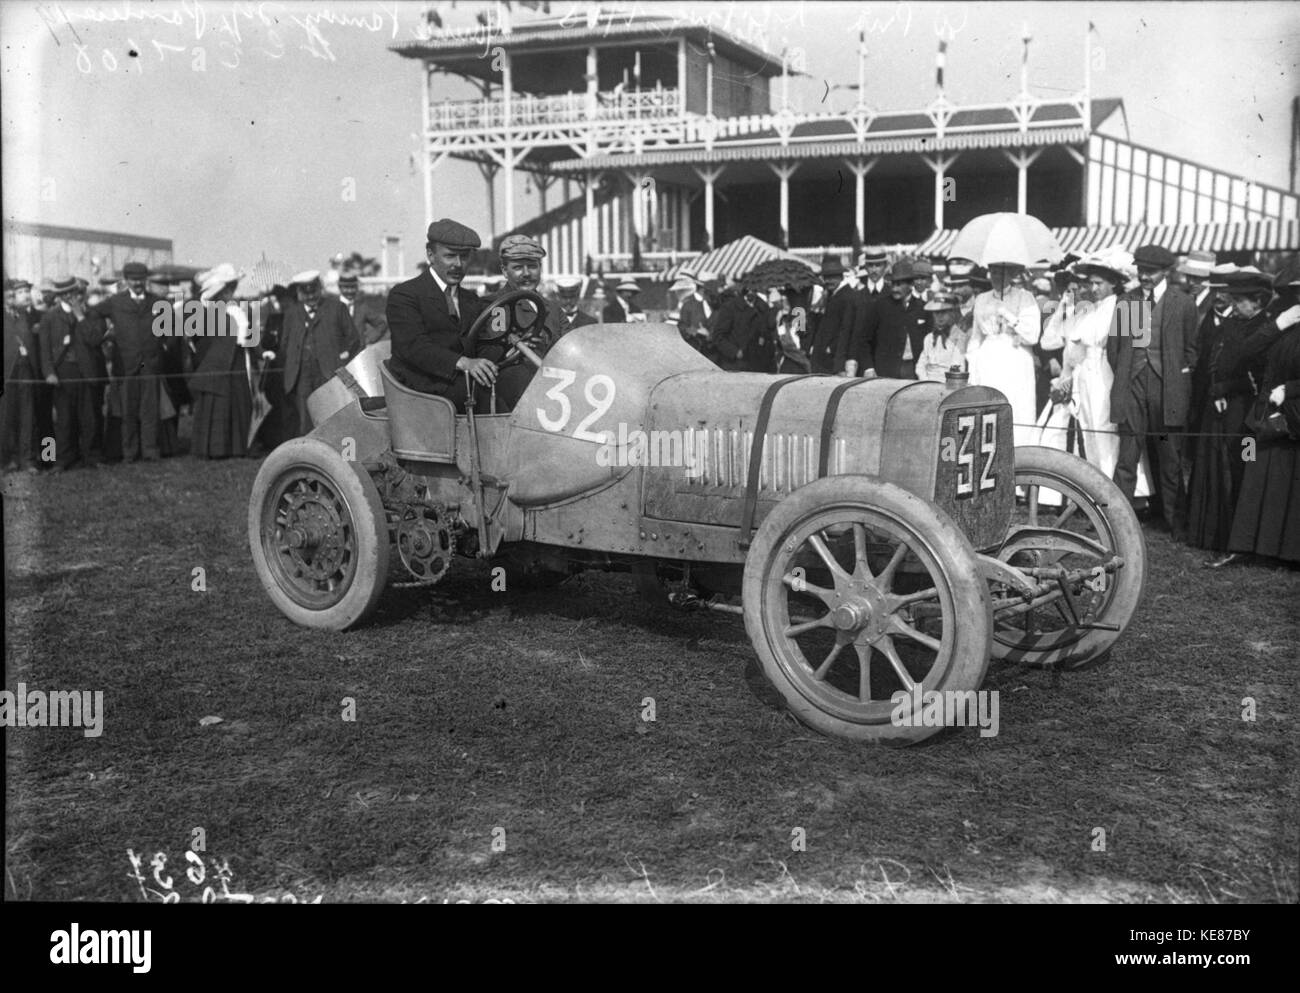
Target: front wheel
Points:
(856, 591)
(318, 534)
(1078, 533)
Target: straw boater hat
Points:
(1197, 264)
(629, 285)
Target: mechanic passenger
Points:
(428, 315)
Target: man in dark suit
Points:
(743, 335)
(367, 312)
(696, 313)
(570, 315)
(831, 338)
(316, 339)
(21, 362)
(891, 339)
(139, 359)
(428, 315)
(69, 343)
(622, 307)
(1153, 357)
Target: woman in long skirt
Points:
(1223, 403)
(223, 406)
(1006, 326)
(1267, 518)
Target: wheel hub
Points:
(312, 536)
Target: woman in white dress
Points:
(1082, 392)
(1006, 325)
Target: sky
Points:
(289, 129)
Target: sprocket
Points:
(426, 544)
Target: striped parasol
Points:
(260, 277)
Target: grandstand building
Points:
(678, 138)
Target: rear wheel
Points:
(855, 590)
(318, 534)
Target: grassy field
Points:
(498, 749)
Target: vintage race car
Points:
(879, 537)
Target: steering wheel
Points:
(500, 327)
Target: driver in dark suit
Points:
(428, 315)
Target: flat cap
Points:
(135, 270)
(921, 269)
(568, 284)
(520, 246)
(20, 284)
(1153, 257)
(453, 234)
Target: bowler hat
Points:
(520, 246)
(832, 265)
(902, 270)
(135, 270)
(1153, 257)
(921, 269)
(348, 279)
(453, 234)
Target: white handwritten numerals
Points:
(598, 391)
(988, 446)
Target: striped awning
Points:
(1239, 236)
(733, 259)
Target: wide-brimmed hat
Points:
(1249, 279)
(1219, 275)
(1198, 264)
(217, 279)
